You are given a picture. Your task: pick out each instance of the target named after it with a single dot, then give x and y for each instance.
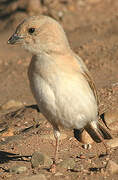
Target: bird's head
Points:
(39, 34)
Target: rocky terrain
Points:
(26, 138)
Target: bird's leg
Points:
(56, 135)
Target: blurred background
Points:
(92, 30)
(91, 27)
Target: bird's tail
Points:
(98, 132)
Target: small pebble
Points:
(92, 155)
(60, 14)
(78, 168)
(11, 104)
(17, 169)
(82, 156)
(53, 168)
(58, 174)
(3, 139)
(114, 126)
(2, 129)
(104, 163)
(113, 143)
(38, 158)
(112, 167)
(111, 116)
(67, 164)
(86, 146)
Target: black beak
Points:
(13, 39)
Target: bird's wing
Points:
(91, 84)
(87, 76)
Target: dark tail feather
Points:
(97, 132)
(104, 132)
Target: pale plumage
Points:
(59, 79)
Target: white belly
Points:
(65, 103)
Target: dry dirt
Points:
(92, 29)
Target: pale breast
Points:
(45, 97)
(64, 99)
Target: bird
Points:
(59, 79)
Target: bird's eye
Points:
(31, 30)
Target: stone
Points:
(2, 129)
(113, 143)
(87, 146)
(17, 169)
(34, 177)
(112, 167)
(82, 156)
(58, 174)
(67, 164)
(9, 132)
(78, 168)
(11, 104)
(38, 159)
(114, 126)
(111, 116)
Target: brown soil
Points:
(92, 29)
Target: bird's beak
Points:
(14, 39)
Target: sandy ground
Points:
(93, 34)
